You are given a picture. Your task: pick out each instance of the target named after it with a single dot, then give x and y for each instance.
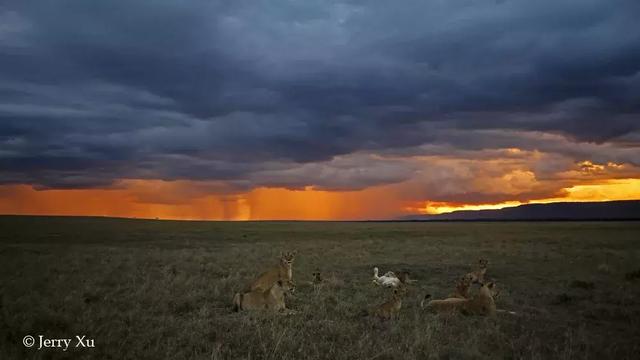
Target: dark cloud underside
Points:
(270, 93)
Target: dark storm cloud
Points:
(242, 91)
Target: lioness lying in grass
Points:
(481, 303)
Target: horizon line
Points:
(399, 219)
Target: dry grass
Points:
(159, 289)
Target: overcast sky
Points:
(472, 101)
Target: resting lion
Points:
(462, 288)
(480, 304)
(282, 271)
(272, 299)
(389, 279)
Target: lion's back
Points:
(266, 280)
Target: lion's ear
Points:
(491, 285)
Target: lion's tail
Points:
(237, 302)
(426, 297)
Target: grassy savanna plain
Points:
(145, 289)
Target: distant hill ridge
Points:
(604, 210)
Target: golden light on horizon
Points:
(433, 208)
(609, 190)
(181, 200)
(622, 189)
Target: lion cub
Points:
(283, 271)
(477, 276)
(272, 299)
(317, 278)
(390, 308)
(462, 287)
(480, 304)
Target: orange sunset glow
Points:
(258, 204)
(268, 203)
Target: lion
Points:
(317, 278)
(462, 288)
(389, 279)
(272, 299)
(282, 271)
(389, 309)
(480, 304)
(477, 276)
